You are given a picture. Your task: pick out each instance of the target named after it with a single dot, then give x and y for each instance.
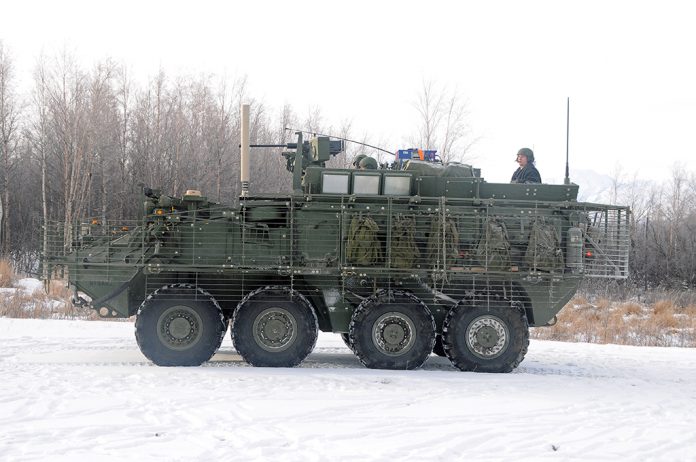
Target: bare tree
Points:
(9, 139)
(442, 122)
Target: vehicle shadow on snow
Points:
(327, 360)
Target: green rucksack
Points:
(493, 250)
(544, 250)
(443, 243)
(403, 248)
(363, 246)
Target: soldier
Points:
(527, 172)
(367, 163)
(357, 159)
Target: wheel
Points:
(226, 325)
(346, 339)
(274, 327)
(392, 330)
(179, 326)
(439, 348)
(486, 338)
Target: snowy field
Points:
(79, 390)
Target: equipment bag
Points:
(363, 246)
(403, 248)
(443, 242)
(493, 250)
(544, 250)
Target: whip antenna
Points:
(567, 173)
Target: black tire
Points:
(439, 348)
(346, 339)
(179, 326)
(392, 330)
(226, 325)
(490, 338)
(274, 327)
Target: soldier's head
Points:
(368, 163)
(525, 156)
(357, 159)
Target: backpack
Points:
(544, 250)
(403, 249)
(363, 247)
(493, 249)
(443, 244)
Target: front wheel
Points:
(179, 326)
(490, 338)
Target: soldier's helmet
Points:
(357, 159)
(368, 163)
(528, 153)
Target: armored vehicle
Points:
(402, 261)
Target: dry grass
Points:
(55, 304)
(630, 309)
(7, 274)
(662, 323)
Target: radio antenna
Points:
(567, 173)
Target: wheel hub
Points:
(179, 327)
(275, 329)
(393, 333)
(487, 337)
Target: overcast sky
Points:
(629, 68)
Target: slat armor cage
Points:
(338, 250)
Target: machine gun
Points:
(316, 151)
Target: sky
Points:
(629, 68)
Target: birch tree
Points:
(9, 139)
(442, 122)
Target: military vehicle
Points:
(404, 260)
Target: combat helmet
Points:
(528, 153)
(368, 163)
(357, 159)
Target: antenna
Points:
(567, 173)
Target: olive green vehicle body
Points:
(406, 260)
(301, 241)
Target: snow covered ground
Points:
(80, 390)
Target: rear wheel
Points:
(439, 348)
(179, 326)
(491, 338)
(274, 327)
(392, 330)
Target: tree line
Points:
(84, 142)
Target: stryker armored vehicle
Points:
(402, 261)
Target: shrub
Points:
(629, 323)
(7, 274)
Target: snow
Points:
(81, 390)
(30, 285)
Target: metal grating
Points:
(340, 252)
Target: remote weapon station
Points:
(405, 260)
